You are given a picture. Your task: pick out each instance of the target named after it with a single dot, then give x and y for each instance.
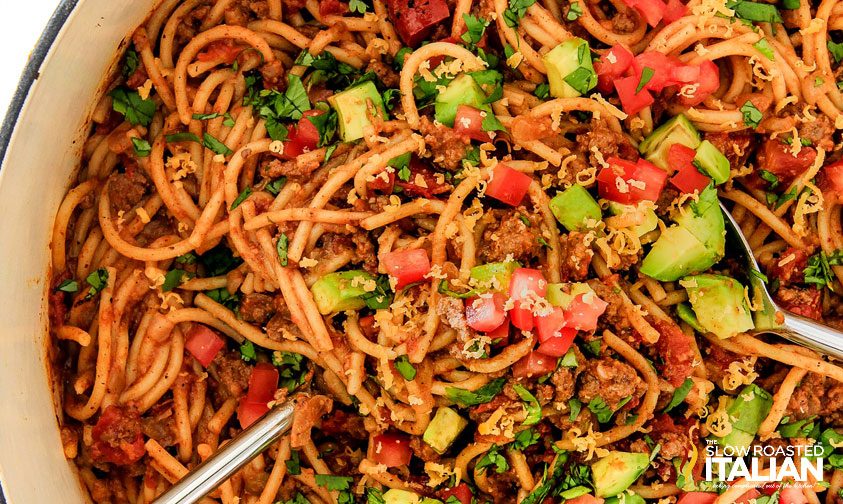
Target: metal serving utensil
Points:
(771, 319)
(211, 473)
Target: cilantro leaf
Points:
(173, 279)
(534, 410)
(135, 109)
(131, 61)
(516, 10)
(215, 145)
(482, 395)
(141, 147)
(181, 137)
(646, 74)
(292, 371)
(525, 439)
(381, 297)
(357, 6)
(275, 186)
(764, 48)
(241, 198)
(68, 285)
(679, 394)
(574, 12)
(542, 91)
(294, 463)
(247, 351)
(475, 27)
(751, 115)
(333, 483)
(326, 125)
(836, 50)
(97, 281)
(493, 457)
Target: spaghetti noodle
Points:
(473, 240)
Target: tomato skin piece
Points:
(792, 495)
(391, 450)
(263, 382)
(662, 66)
(558, 345)
(697, 498)
(500, 333)
(331, 7)
(708, 83)
(250, 412)
(687, 178)
(469, 121)
(675, 11)
(534, 364)
(651, 10)
(415, 19)
(485, 314)
(632, 101)
(831, 178)
(585, 499)
(674, 347)
(507, 185)
(383, 182)
(749, 496)
(584, 311)
(525, 284)
(612, 65)
(224, 50)
(127, 452)
(462, 492)
(647, 181)
(407, 266)
(203, 343)
(775, 157)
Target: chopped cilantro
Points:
(292, 371)
(173, 279)
(679, 394)
(751, 115)
(130, 63)
(764, 48)
(281, 249)
(247, 351)
(68, 285)
(215, 145)
(405, 368)
(836, 50)
(381, 297)
(495, 458)
(818, 271)
(542, 91)
(575, 406)
(482, 395)
(532, 407)
(755, 12)
(515, 11)
(181, 137)
(141, 147)
(275, 186)
(646, 74)
(474, 29)
(241, 198)
(135, 109)
(525, 439)
(574, 12)
(294, 463)
(357, 6)
(97, 281)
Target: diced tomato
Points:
(117, 436)
(612, 65)
(557, 346)
(674, 348)
(698, 498)
(507, 185)
(682, 74)
(203, 343)
(485, 313)
(524, 286)
(708, 83)
(383, 182)
(431, 185)
(584, 310)
(749, 496)
(249, 412)
(831, 178)
(661, 66)
(792, 495)
(687, 178)
(632, 101)
(329, 7)
(534, 364)
(585, 499)
(469, 121)
(801, 301)
(407, 266)
(776, 158)
(675, 10)
(263, 382)
(627, 182)
(550, 325)
(462, 492)
(770, 487)
(500, 335)
(302, 137)
(223, 50)
(414, 20)
(391, 450)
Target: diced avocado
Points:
(463, 90)
(675, 254)
(574, 207)
(712, 162)
(561, 294)
(444, 429)
(628, 498)
(352, 106)
(340, 291)
(746, 412)
(650, 220)
(493, 276)
(397, 496)
(573, 493)
(686, 313)
(679, 130)
(719, 304)
(704, 219)
(570, 72)
(615, 472)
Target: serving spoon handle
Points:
(217, 468)
(808, 333)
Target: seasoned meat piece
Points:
(138, 77)
(623, 21)
(274, 75)
(127, 189)
(668, 195)
(452, 312)
(117, 436)
(615, 318)
(735, 146)
(232, 374)
(508, 235)
(564, 380)
(801, 301)
(611, 380)
(817, 395)
(274, 167)
(293, 5)
(576, 256)
(673, 438)
(819, 132)
(789, 267)
(281, 325)
(257, 308)
(423, 450)
(447, 146)
(161, 425)
(717, 363)
(339, 422)
(674, 348)
(608, 143)
(385, 73)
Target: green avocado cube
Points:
(341, 291)
(493, 276)
(650, 220)
(561, 294)
(443, 429)
(704, 219)
(463, 90)
(570, 71)
(615, 472)
(575, 207)
(675, 254)
(719, 303)
(352, 106)
(679, 130)
(712, 162)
